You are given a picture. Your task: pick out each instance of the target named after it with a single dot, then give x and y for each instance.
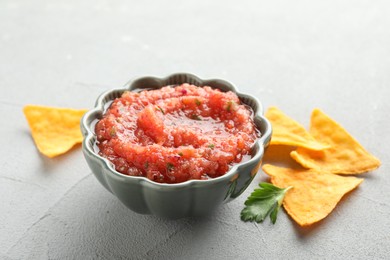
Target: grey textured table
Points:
(297, 55)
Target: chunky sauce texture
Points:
(176, 133)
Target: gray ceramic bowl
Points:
(190, 198)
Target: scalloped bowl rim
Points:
(100, 108)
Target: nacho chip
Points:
(346, 155)
(286, 131)
(54, 130)
(314, 194)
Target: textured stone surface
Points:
(294, 54)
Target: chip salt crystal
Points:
(314, 194)
(345, 156)
(286, 131)
(54, 130)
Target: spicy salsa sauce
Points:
(176, 133)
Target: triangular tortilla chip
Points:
(286, 131)
(346, 155)
(54, 130)
(314, 194)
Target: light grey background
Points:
(296, 55)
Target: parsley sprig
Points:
(263, 202)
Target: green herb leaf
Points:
(197, 102)
(170, 166)
(112, 132)
(196, 117)
(230, 105)
(211, 146)
(263, 202)
(161, 110)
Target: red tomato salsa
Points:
(176, 133)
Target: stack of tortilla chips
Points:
(326, 152)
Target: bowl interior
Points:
(104, 101)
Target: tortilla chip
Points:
(286, 131)
(54, 130)
(346, 155)
(314, 194)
